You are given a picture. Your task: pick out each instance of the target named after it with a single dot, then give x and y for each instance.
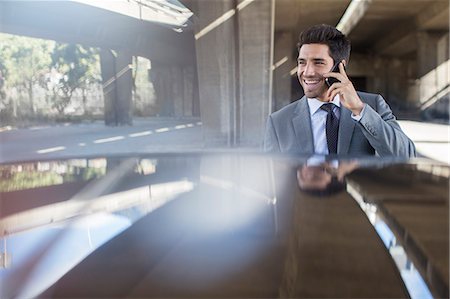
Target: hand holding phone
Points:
(347, 94)
(330, 80)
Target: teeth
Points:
(311, 81)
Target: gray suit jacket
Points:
(289, 131)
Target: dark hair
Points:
(334, 187)
(328, 35)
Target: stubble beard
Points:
(319, 92)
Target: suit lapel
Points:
(302, 127)
(346, 127)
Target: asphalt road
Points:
(67, 140)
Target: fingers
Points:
(341, 76)
(342, 70)
(333, 94)
(334, 75)
(334, 89)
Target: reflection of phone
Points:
(331, 80)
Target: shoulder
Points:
(372, 99)
(367, 96)
(378, 104)
(287, 111)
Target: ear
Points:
(344, 62)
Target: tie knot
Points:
(327, 107)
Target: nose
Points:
(308, 70)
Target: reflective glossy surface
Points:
(223, 225)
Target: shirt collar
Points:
(314, 104)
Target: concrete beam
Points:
(353, 14)
(438, 12)
(402, 40)
(399, 41)
(71, 22)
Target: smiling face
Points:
(314, 60)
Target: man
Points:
(350, 122)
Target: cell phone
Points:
(330, 80)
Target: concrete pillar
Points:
(160, 76)
(434, 88)
(175, 89)
(284, 62)
(397, 81)
(379, 82)
(216, 64)
(117, 87)
(426, 52)
(233, 61)
(427, 68)
(190, 106)
(255, 35)
(387, 76)
(443, 63)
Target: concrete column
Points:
(378, 83)
(175, 89)
(397, 81)
(426, 52)
(443, 63)
(190, 92)
(284, 62)
(387, 76)
(160, 76)
(186, 101)
(117, 87)
(427, 68)
(254, 23)
(233, 62)
(215, 48)
(390, 78)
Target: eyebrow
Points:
(314, 59)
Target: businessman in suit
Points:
(332, 117)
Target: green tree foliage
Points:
(34, 71)
(23, 63)
(77, 67)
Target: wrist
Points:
(358, 109)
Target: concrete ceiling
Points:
(296, 15)
(388, 27)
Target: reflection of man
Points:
(324, 178)
(334, 119)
